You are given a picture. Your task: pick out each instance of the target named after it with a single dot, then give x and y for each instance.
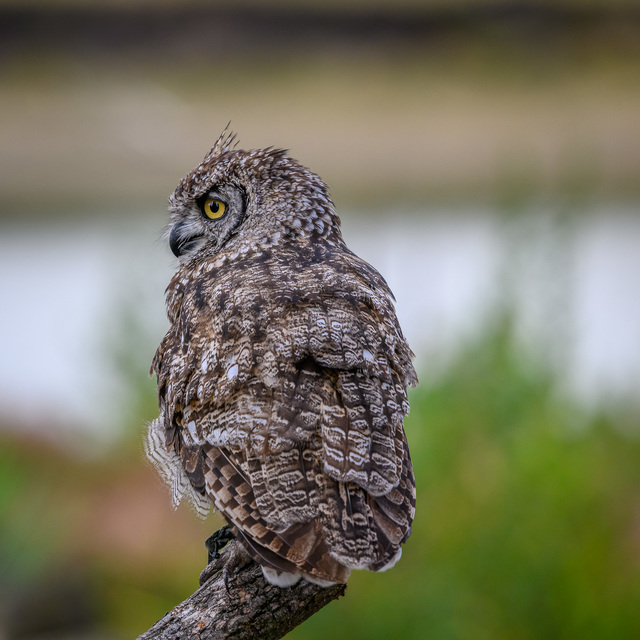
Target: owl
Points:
(282, 378)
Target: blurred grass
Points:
(527, 524)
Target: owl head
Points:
(248, 200)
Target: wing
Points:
(286, 410)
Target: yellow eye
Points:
(214, 208)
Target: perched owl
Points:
(282, 380)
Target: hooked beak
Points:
(179, 243)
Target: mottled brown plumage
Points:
(282, 380)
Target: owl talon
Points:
(231, 563)
(216, 541)
(214, 544)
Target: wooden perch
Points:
(236, 602)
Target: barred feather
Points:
(282, 379)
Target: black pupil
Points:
(214, 206)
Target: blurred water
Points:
(575, 286)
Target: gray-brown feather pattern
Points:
(282, 382)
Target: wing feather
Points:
(285, 406)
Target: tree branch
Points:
(236, 602)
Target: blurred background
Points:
(484, 156)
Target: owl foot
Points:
(236, 559)
(230, 563)
(216, 541)
(214, 544)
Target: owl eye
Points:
(213, 208)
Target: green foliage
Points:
(27, 496)
(527, 518)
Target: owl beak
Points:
(179, 243)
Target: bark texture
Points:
(236, 602)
